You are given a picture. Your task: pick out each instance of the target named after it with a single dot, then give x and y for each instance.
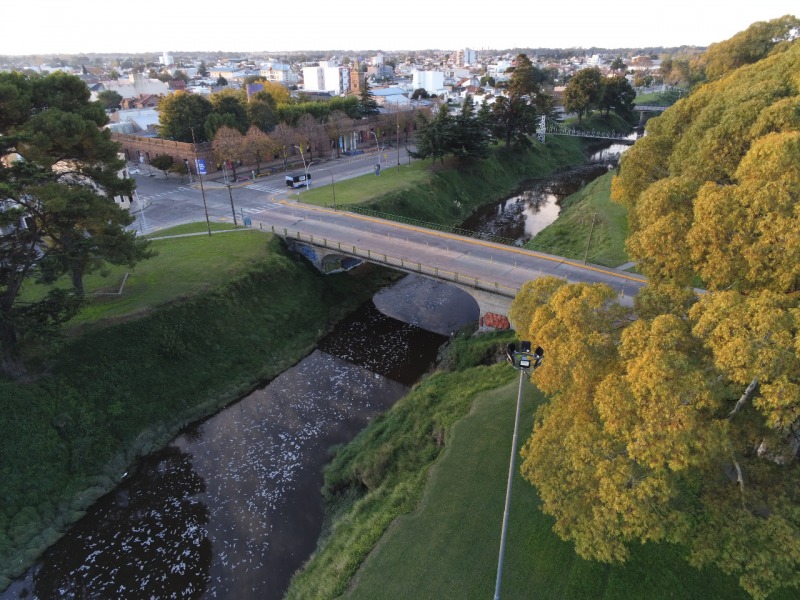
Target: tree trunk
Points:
(76, 275)
(10, 362)
(744, 397)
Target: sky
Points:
(241, 26)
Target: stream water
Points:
(232, 507)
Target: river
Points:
(232, 507)
(517, 219)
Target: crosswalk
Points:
(263, 187)
(151, 197)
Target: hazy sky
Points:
(84, 26)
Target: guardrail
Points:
(493, 287)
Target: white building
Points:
(136, 85)
(498, 70)
(466, 57)
(332, 79)
(279, 73)
(431, 81)
(166, 59)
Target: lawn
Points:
(448, 548)
(362, 189)
(182, 268)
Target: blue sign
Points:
(200, 163)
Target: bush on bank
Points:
(120, 391)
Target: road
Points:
(174, 201)
(269, 204)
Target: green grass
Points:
(448, 548)
(667, 98)
(125, 387)
(568, 236)
(381, 474)
(183, 267)
(198, 227)
(365, 188)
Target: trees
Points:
(261, 111)
(58, 174)
(366, 102)
(435, 136)
(618, 95)
(584, 91)
(514, 115)
(202, 70)
(284, 137)
(109, 99)
(471, 138)
(259, 145)
(338, 124)
(308, 133)
(228, 146)
(221, 81)
(683, 424)
(182, 112)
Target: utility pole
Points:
(200, 177)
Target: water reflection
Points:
(148, 539)
(233, 506)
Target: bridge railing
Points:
(399, 263)
(530, 245)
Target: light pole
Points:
(144, 221)
(200, 177)
(305, 168)
(522, 360)
(233, 210)
(377, 145)
(333, 186)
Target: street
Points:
(174, 201)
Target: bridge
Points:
(491, 273)
(548, 126)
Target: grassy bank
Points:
(382, 473)
(445, 194)
(126, 386)
(448, 503)
(589, 226)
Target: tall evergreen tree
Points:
(367, 104)
(58, 176)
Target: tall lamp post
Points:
(233, 210)
(333, 186)
(524, 361)
(305, 168)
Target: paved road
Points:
(174, 201)
(268, 203)
(487, 265)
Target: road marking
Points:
(264, 188)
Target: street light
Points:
(523, 360)
(377, 145)
(333, 186)
(305, 168)
(143, 224)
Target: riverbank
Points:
(121, 390)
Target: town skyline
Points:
(357, 24)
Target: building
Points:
(166, 59)
(279, 73)
(430, 81)
(136, 85)
(466, 57)
(380, 71)
(326, 78)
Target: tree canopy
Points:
(679, 420)
(59, 172)
(182, 112)
(584, 91)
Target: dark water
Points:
(519, 218)
(233, 507)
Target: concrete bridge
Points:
(491, 273)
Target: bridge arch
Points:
(327, 260)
